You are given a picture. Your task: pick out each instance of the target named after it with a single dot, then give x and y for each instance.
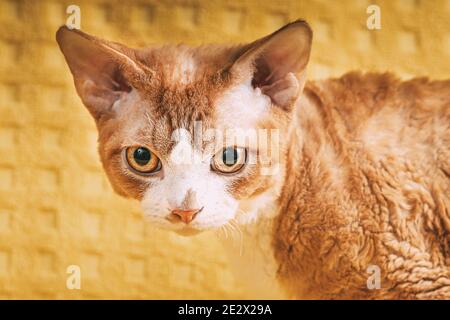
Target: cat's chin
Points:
(188, 231)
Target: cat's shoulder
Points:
(372, 83)
(374, 91)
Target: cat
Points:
(349, 199)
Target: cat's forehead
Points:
(192, 84)
(183, 65)
(190, 91)
(185, 82)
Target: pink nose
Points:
(185, 215)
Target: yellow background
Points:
(56, 207)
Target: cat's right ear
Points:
(103, 72)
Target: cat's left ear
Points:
(276, 63)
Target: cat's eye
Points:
(142, 160)
(229, 160)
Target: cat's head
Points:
(197, 135)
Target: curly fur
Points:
(368, 183)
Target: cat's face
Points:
(197, 135)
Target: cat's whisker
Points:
(231, 229)
(230, 226)
(225, 231)
(234, 223)
(220, 232)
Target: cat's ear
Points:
(276, 63)
(102, 71)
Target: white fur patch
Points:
(242, 106)
(182, 175)
(127, 99)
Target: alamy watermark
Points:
(74, 19)
(374, 280)
(263, 145)
(73, 281)
(373, 21)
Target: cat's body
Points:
(358, 181)
(368, 186)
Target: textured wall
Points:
(56, 207)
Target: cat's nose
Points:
(185, 215)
